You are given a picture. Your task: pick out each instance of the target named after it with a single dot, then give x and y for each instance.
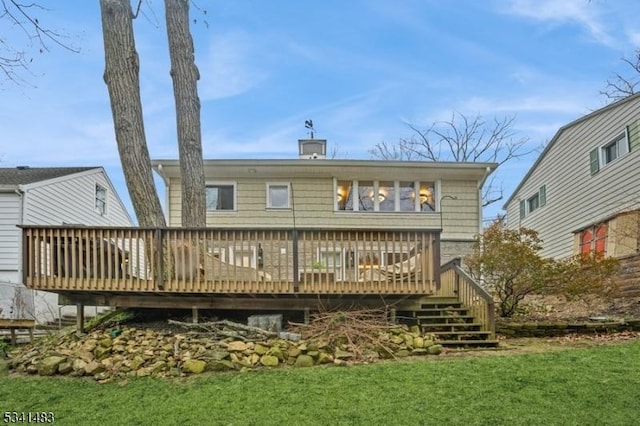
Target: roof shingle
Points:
(26, 175)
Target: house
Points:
(287, 235)
(47, 196)
(582, 194)
(313, 192)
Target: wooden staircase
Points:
(450, 322)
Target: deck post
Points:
(194, 314)
(307, 315)
(160, 258)
(296, 278)
(79, 317)
(392, 315)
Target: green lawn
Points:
(596, 386)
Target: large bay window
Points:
(384, 196)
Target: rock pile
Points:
(137, 352)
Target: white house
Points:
(583, 193)
(47, 196)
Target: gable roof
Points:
(27, 175)
(559, 133)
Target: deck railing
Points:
(455, 282)
(276, 261)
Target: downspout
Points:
(159, 170)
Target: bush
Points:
(510, 267)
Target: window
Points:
(608, 153)
(344, 195)
(366, 191)
(278, 195)
(332, 260)
(594, 240)
(427, 203)
(407, 196)
(101, 199)
(220, 196)
(533, 203)
(384, 196)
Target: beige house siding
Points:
(576, 199)
(313, 203)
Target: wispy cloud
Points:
(231, 66)
(580, 12)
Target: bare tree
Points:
(26, 35)
(620, 86)
(185, 77)
(461, 139)
(122, 78)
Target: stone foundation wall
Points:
(560, 329)
(629, 275)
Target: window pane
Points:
(386, 196)
(533, 203)
(365, 195)
(101, 199)
(344, 195)
(610, 152)
(601, 240)
(427, 203)
(585, 242)
(278, 196)
(220, 197)
(407, 196)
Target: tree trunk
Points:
(185, 77)
(121, 77)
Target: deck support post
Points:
(79, 317)
(307, 315)
(392, 316)
(296, 275)
(194, 314)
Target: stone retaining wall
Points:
(133, 352)
(629, 276)
(534, 329)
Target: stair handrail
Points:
(455, 265)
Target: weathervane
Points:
(309, 125)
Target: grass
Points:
(595, 386)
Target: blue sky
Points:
(360, 69)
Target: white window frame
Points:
(235, 195)
(621, 142)
(102, 211)
(268, 186)
(355, 189)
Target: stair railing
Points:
(455, 282)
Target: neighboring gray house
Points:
(583, 193)
(47, 196)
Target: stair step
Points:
(470, 343)
(441, 306)
(452, 326)
(449, 312)
(447, 318)
(454, 336)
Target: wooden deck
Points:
(230, 261)
(241, 269)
